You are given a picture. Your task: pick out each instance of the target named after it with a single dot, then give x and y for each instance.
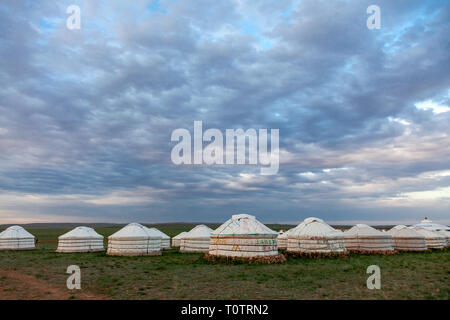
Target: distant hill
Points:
(274, 226)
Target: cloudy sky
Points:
(86, 115)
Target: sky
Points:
(86, 115)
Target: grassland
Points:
(186, 276)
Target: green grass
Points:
(186, 276)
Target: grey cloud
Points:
(91, 112)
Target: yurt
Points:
(313, 235)
(282, 240)
(176, 241)
(16, 238)
(197, 240)
(165, 239)
(363, 238)
(243, 236)
(446, 234)
(134, 240)
(406, 239)
(433, 239)
(430, 225)
(80, 239)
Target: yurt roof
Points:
(284, 235)
(428, 233)
(154, 233)
(428, 224)
(180, 235)
(241, 224)
(160, 233)
(16, 232)
(363, 230)
(302, 224)
(133, 231)
(200, 231)
(315, 227)
(81, 233)
(402, 231)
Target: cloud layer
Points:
(86, 115)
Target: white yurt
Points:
(446, 234)
(165, 239)
(364, 238)
(243, 236)
(16, 238)
(406, 239)
(313, 235)
(80, 239)
(134, 240)
(197, 240)
(430, 225)
(282, 240)
(176, 241)
(433, 239)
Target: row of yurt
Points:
(313, 235)
(364, 238)
(243, 236)
(16, 238)
(176, 241)
(196, 240)
(133, 239)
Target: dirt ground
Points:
(16, 285)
